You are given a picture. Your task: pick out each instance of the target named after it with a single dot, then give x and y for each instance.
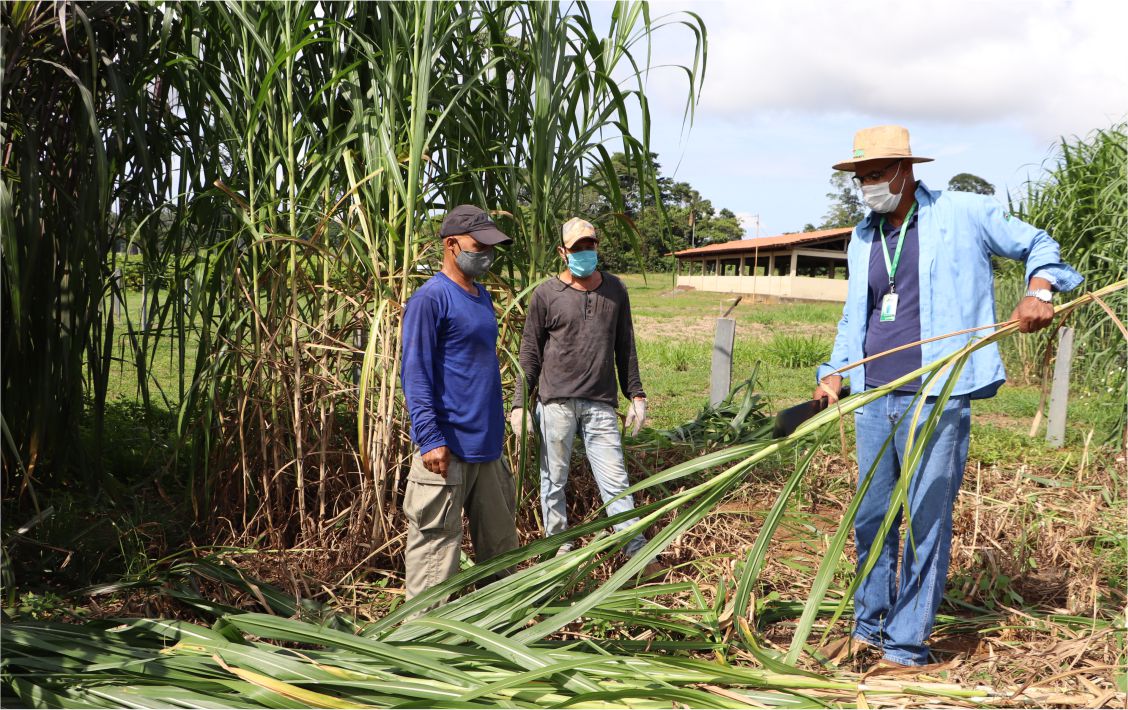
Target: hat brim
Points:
(848, 165)
(569, 243)
(490, 236)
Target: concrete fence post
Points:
(720, 381)
(1059, 391)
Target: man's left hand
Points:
(1033, 314)
(636, 415)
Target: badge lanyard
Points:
(889, 301)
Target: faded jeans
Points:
(597, 423)
(894, 614)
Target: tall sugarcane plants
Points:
(280, 168)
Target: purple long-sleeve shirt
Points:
(451, 378)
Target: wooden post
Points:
(360, 342)
(115, 295)
(755, 270)
(720, 381)
(1059, 392)
(144, 305)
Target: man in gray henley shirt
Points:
(578, 341)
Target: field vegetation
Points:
(201, 487)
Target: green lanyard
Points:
(891, 266)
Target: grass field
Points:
(781, 342)
(674, 332)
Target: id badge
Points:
(889, 308)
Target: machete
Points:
(788, 420)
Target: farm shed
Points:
(806, 266)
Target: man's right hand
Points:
(829, 388)
(437, 460)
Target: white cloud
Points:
(749, 222)
(1051, 67)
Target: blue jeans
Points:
(897, 615)
(597, 423)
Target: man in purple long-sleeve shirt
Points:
(452, 386)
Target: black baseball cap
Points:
(468, 219)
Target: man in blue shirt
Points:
(452, 385)
(920, 267)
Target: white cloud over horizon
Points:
(1049, 67)
(984, 86)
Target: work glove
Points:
(636, 415)
(518, 417)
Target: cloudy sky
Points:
(984, 87)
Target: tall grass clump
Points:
(1081, 201)
(280, 166)
(796, 350)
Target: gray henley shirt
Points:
(576, 341)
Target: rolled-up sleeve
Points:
(1005, 235)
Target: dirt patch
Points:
(701, 328)
(1004, 421)
(698, 329)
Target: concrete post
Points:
(1059, 391)
(720, 380)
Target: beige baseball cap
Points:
(880, 143)
(576, 229)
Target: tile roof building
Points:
(809, 266)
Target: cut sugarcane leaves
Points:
(494, 646)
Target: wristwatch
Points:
(1042, 294)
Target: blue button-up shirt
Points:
(959, 233)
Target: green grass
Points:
(164, 361)
(674, 335)
(655, 296)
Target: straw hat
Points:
(880, 142)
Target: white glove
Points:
(518, 417)
(636, 415)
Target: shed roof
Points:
(780, 242)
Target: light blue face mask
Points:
(583, 263)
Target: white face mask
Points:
(878, 197)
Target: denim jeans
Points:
(597, 423)
(897, 614)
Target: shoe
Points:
(888, 667)
(844, 648)
(654, 570)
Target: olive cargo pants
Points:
(433, 506)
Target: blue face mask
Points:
(583, 263)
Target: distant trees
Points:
(693, 220)
(845, 206)
(966, 182)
